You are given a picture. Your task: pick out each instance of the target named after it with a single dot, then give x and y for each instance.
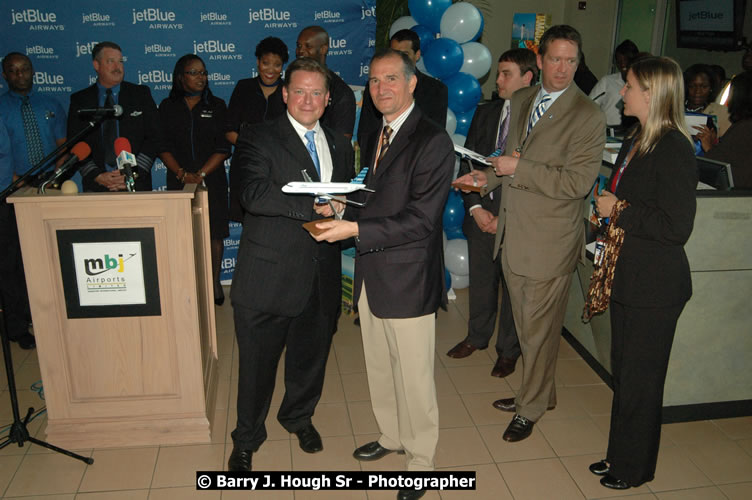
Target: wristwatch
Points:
(202, 174)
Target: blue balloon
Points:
(447, 279)
(443, 57)
(454, 212)
(455, 233)
(425, 35)
(429, 12)
(463, 121)
(464, 92)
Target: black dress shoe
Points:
(600, 468)
(219, 295)
(240, 460)
(25, 341)
(373, 451)
(503, 367)
(519, 428)
(309, 439)
(410, 494)
(610, 481)
(461, 350)
(505, 404)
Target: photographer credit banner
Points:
(59, 37)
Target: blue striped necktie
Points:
(539, 110)
(311, 147)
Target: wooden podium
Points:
(120, 287)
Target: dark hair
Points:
(177, 91)
(525, 59)
(307, 64)
(740, 102)
(408, 66)
(272, 45)
(7, 57)
(701, 69)
(104, 45)
(407, 36)
(627, 48)
(560, 32)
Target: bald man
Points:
(339, 115)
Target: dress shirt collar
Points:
(20, 97)
(301, 130)
(396, 124)
(553, 95)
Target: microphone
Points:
(126, 161)
(80, 152)
(112, 112)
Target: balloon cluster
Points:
(455, 57)
(455, 243)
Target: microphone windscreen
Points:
(69, 187)
(122, 144)
(81, 150)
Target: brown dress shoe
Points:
(461, 350)
(503, 367)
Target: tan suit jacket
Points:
(541, 206)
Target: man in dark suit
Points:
(286, 291)
(339, 115)
(552, 158)
(399, 271)
(488, 135)
(139, 123)
(431, 95)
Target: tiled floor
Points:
(699, 460)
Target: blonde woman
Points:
(653, 186)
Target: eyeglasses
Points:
(193, 72)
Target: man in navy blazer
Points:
(286, 291)
(399, 269)
(139, 123)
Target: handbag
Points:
(601, 282)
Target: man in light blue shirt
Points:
(35, 122)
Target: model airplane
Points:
(325, 190)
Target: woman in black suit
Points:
(655, 176)
(195, 148)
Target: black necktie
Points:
(109, 132)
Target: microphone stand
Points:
(54, 154)
(19, 432)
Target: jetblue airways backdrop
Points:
(59, 36)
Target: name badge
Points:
(207, 113)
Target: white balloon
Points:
(402, 23)
(461, 22)
(459, 282)
(455, 257)
(477, 59)
(451, 122)
(443, 233)
(459, 139)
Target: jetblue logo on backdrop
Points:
(272, 18)
(36, 19)
(47, 82)
(220, 79)
(97, 19)
(338, 47)
(158, 19)
(41, 52)
(369, 12)
(328, 16)
(214, 18)
(85, 49)
(217, 50)
(363, 70)
(159, 80)
(371, 42)
(159, 50)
